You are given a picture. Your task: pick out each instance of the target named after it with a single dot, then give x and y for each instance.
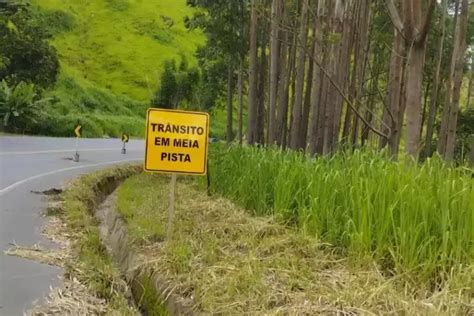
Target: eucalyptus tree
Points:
(223, 23)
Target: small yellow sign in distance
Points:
(176, 141)
(77, 130)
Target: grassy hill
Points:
(121, 44)
(111, 54)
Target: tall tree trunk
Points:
(376, 69)
(349, 25)
(300, 71)
(369, 115)
(390, 117)
(323, 107)
(393, 111)
(416, 25)
(330, 106)
(361, 56)
(291, 87)
(274, 62)
(447, 138)
(336, 26)
(283, 89)
(443, 131)
(240, 111)
(458, 60)
(395, 142)
(306, 108)
(425, 105)
(469, 86)
(414, 89)
(356, 31)
(230, 89)
(316, 81)
(261, 92)
(253, 103)
(355, 131)
(352, 95)
(436, 82)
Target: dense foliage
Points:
(25, 52)
(179, 86)
(20, 106)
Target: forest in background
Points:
(324, 75)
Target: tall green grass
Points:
(416, 220)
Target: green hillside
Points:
(120, 45)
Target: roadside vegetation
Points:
(90, 263)
(414, 220)
(223, 259)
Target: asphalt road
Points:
(37, 164)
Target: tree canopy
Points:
(25, 52)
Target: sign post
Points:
(176, 143)
(125, 139)
(169, 231)
(77, 131)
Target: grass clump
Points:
(151, 299)
(414, 220)
(222, 260)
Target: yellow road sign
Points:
(77, 130)
(176, 141)
(125, 138)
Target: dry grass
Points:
(228, 262)
(73, 298)
(52, 257)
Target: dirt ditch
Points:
(149, 290)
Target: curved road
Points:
(37, 164)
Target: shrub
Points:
(20, 106)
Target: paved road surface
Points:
(40, 163)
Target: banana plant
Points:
(19, 103)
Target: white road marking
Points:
(60, 151)
(16, 184)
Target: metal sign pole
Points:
(76, 155)
(169, 233)
(77, 131)
(124, 150)
(208, 179)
